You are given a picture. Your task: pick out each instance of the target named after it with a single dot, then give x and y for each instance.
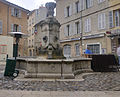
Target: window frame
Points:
(94, 50)
(67, 50)
(88, 25)
(101, 21)
(77, 51)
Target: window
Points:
(77, 49)
(89, 3)
(111, 19)
(30, 52)
(68, 11)
(29, 43)
(15, 12)
(68, 30)
(77, 6)
(95, 48)
(77, 27)
(82, 5)
(117, 18)
(88, 25)
(0, 27)
(101, 21)
(3, 49)
(15, 28)
(67, 51)
(100, 1)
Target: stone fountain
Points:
(50, 62)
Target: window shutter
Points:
(0, 27)
(86, 25)
(98, 1)
(65, 12)
(103, 21)
(19, 13)
(12, 27)
(91, 2)
(74, 8)
(65, 31)
(80, 4)
(71, 32)
(83, 4)
(99, 21)
(19, 28)
(111, 19)
(74, 29)
(89, 25)
(70, 9)
(80, 26)
(12, 11)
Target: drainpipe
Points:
(81, 35)
(8, 19)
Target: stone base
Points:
(57, 69)
(48, 75)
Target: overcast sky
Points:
(30, 4)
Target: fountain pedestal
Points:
(57, 69)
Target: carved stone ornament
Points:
(50, 7)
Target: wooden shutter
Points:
(80, 4)
(19, 14)
(83, 4)
(74, 8)
(99, 21)
(70, 9)
(65, 12)
(111, 19)
(12, 11)
(71, 31)
(19, 28)
(86, 25)
(65, 31)
(89, 24)
(80, 24)
(74, 29)
(0, 27)
(12, 27)
(103, 21)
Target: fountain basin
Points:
(52, 68)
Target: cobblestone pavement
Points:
(92, 82)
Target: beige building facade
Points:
(84, 23)
(13, 18)
(114, 25)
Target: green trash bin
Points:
(10, 67)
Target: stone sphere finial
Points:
(50, 7)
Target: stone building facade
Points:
(114, 24)
(13, 18)
(34, 17)
(84, 23)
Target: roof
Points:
(14, 5)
